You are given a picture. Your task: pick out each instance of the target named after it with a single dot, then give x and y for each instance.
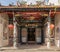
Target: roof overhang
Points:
(27, 9)
(24, 10)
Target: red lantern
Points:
(52, 26)
(10, 26)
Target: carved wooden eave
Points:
(21, 10)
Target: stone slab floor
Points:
(30, 48)
(30, 51)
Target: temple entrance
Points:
(31, 34)
(31, 29)
(34, 25)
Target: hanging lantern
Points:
(10, 26)
(52, 26)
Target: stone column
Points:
(48, 31)
(14, 32)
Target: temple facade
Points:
(29, 25)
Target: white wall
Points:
(57, 27)
(3, 20)
(1, 33)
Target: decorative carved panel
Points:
(38, 35)
(24, 34)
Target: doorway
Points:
(31, 34)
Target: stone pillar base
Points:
(48, 44)
(58, 43)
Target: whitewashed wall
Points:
(3, 29)
(57, 27)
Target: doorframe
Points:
(42, 35)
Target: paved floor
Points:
(30, 48)
(27, 51)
